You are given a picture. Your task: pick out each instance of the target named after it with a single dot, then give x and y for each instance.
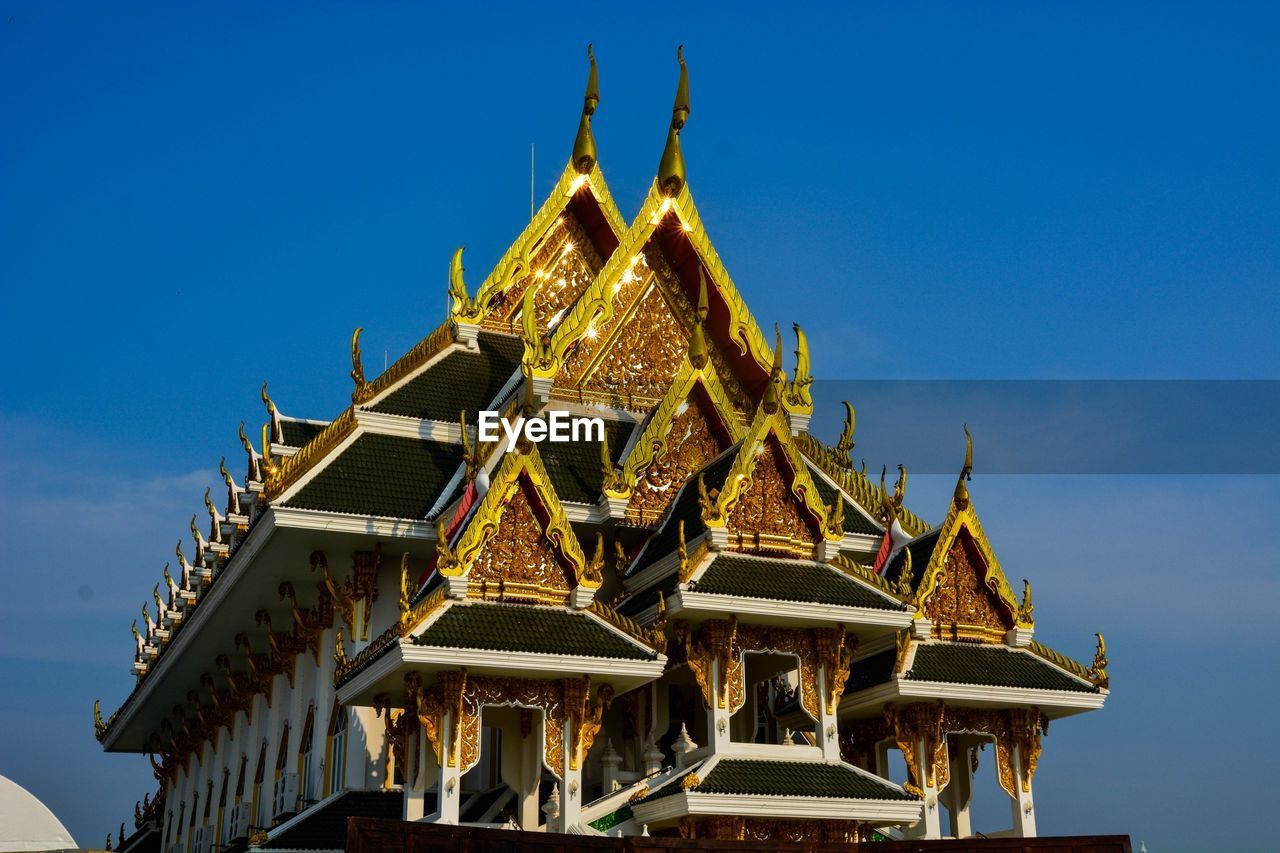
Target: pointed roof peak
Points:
(584, 145)
(671, 173)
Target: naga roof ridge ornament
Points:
(961, 497)
(584, 144)
(671, 173)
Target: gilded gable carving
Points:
(690, 444)
(519, 555)
(966, 599)
(766, 517)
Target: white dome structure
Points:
(26, 823)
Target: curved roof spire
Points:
(966, 472)
(584, 145)
(671, 176)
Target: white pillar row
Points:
(418, 767)
(1024, 815)
(527, 804)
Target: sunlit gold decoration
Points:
(964, 606)
(863, 573)
(906, 575)
(339, 649)
(835, 649)
(596, 309)
(584, 144)
(519, 544)
(904, 643)
(845, 444)
(462, 307)
(542, 246)
(593, 571)
(538, 356)
(773, 389)
(341, 600)
(360, 394)
(1098, 669)
(963, 585)
(611, 482)
(671, 174)
(293, 467)
(769, 502)
(653, 636)
(797, 397)
(690, 782)
(1026, 609)
(836, 464)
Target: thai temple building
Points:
(698, 620)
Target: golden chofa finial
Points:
(266, 399)
(671, 175)
(698, 343)
(462, 308)
(966, 473)
(357, 365)
(584, 145)
(845, 445)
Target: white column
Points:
(450, 780)
(570, 787)
(718, 717)
(930, 825)
(827, 731)
(527, 803)
(1024, 816)
(415, 774)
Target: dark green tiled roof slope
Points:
(787, 580)
(854, 520)
(574, 466)
(382, 475)
(758, 777)
(298, 433)
(648, 597)
(994, 666)
(463, 379)
(686, 509)
(327, 828)
(527, 628)
(795, 779)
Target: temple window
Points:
(305, 787)
(336, 760)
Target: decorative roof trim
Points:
(516, 260)
(716, 514)
(855, 484)
(597, 304)
(966, 518)
(653, 438)
(521, 464)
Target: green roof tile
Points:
(574, 466)
(382, 475)
(527, 628)
(787, 580)
(993, 666)
(854, 520)
(463, 379)
(773, 778)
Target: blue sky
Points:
(196, 197)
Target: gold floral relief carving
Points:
(631, 283)
(520, 552)
(690, 444)
(966, 598)
(563, 264)
(766, 517)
